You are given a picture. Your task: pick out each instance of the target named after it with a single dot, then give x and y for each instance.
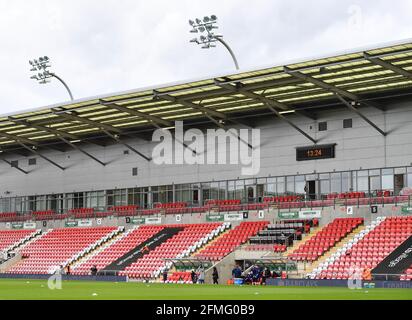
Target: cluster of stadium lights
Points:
(41, 65)
(42, 75)
(207, 25)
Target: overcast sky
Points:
(104, 46)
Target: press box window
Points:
(135, 172)
(323, 126)
(347, 123)
(32, 162)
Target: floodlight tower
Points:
(40, 66)
(207, 41)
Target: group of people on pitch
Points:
(255, 276)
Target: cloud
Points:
(103, 46)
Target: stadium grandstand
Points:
(80, 188)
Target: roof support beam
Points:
(118, 140)
(153, 119)
(46, 129)
(82, 151)
(208, 113)
(40, 155)
(205, 111)
(222, 126)
(270, 104)
(17, 138)
(353, 108)
(15, 167)
(387, 65)
(61, 136)
(331, 88)
(73, 117)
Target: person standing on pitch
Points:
(215, 276)
(193, 276)
(164, 276)
(202, 276)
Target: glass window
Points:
(311, 177)
(387, 182)
(270, 189)
(387, 179)
(290, 184)
(280, 186)
(400, 170)
(262, 181)
(387, 172)
(335, 183)
(325, 186)
(300, 184)
(374, 172)
(375, 183)
(222, 190)
(362, 183)
(117, 198)
(324, 176)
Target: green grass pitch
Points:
(77, 290)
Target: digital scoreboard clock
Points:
(315, 152)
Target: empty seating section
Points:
(347, 195)
(179, 277)
(368, 249)
(48, 215)
(283, 233)
(231, 240)
(225, 205)
(281, 202)
(44, 215)
(361, 198)
(173, 208)
(59, 247)
(325, 239)
(211, 203)
(408, 275)
(181, 245)
(289, 202)
(278, 248)
(256, 206)
(113, 251)
(10, 238)
(173, 205)
(124, 210)
(82, 213)
(8, 216)
(150, 212)
(282, 199)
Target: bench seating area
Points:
(231, 240)
(325, 239)
(11, 238)
(59, 247)
(183, 244)
(109, 254)
(368, 249)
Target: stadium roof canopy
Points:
(361, 78)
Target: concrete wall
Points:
(358, 147)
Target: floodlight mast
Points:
(208, 24)
(41, 65)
